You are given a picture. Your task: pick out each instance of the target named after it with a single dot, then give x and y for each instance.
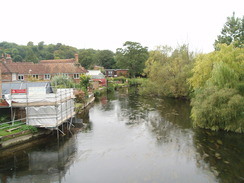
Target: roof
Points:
(54, 68)
(95, 74)
(41, 68)
(6, 87)
(72, 60)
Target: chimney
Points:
(8, 59)
(76, 58)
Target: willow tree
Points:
(218, 84)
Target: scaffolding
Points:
(44, 110)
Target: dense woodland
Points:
(34, 53)
(214, 82)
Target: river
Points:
(129, 139)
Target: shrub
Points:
(136, 81)
(121, 79)
(62, 81)
(33, 129)
(80, 96)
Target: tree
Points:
(30, 55)
(218, 84)
(40, 45)
(17, 58)
(203, 69)
(133, 57)
(30, 44)
(168, 71)
(87, 58)
(105, 58)
(232, 32)
(84, 82)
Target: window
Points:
(35, 76)
(47, 76)
(76, 76)
(21, 77)
(110, 73)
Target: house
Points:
(117, 72)
(44, 70)
(97, 76)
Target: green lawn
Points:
(17, 127)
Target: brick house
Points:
(44, 70)
(117, 72)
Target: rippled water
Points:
(131, 139)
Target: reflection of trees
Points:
(135, 109)
(47, 160)
(172, 137)
(223, 152)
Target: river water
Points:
(129, 139)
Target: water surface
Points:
(129, 138)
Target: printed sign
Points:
(13, 91)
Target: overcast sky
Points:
(107, 24)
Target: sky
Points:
(107, 24)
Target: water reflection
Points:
(222, 152)
(43, 160)
(130, 138)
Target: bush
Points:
(218, 109)
(33, 129)
(80, 96)
(136, 81)
(62, 81)
(121, 79)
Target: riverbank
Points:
(22, 137)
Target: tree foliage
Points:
(232, 32)
(168, 71)
(218, 84)
(84, 82)
(133, 57)
(33, 53)
(87, 58)
(217, 109)
(105, 58)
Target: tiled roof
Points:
(42, 68)
(53, 68)
(72, 60)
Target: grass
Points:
(21, 127)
